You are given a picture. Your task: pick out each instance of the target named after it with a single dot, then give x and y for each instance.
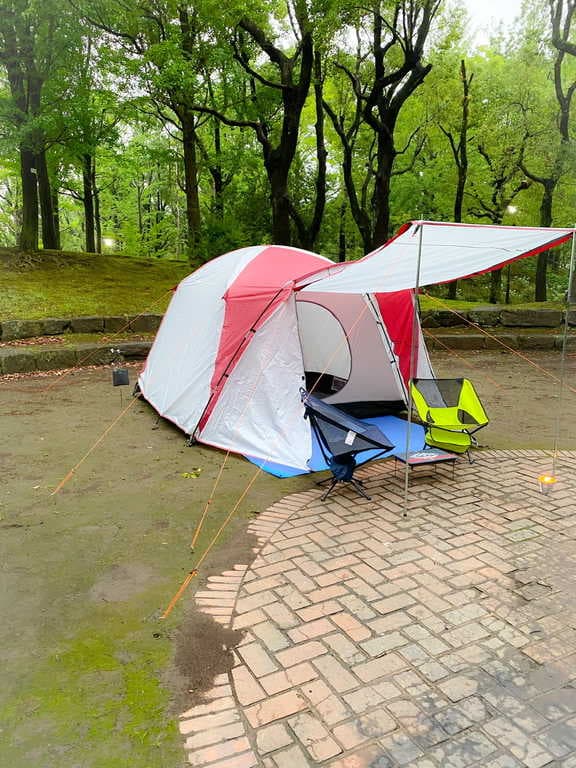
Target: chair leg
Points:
(359, 485)
(329, 489)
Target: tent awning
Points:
(449, 252)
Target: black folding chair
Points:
(341, 438)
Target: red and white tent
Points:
(247, 330)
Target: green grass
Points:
(428, 302)
(50, 284)
(76, 284)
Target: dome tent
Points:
(238, 342)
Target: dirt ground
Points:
(91, 676)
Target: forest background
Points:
(171, 130)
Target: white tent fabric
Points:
(177, 375)
(259, 412)
(448, 252)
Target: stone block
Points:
(87, 324)
(16, 361)
(462, 341)
(443, 318)
(570, 341)
(21, 329)
(531, 318)
(572, 317)
(117, 324)
(428, 319)
(509, 339)
(135, 350)
(94, 354)
(50, 359)
(485, 316)
(54, 326)
(146, 323)
(536, 341)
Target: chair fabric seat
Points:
(451, 411)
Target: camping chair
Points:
(451, 411)
(341, 438)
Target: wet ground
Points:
(91, 677)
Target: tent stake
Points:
(411, 371)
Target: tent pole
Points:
(411, 371)
(567, 305)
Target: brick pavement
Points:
(445, 639)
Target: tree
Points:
(561, 14)
(459, 147)
(382, 75)
(35, 40)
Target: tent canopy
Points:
(448, 252)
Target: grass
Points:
(50, 284)
(76, 284)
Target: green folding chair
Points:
(451, 411)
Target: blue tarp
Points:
(393, 427)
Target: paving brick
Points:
(275, 708)
(282, 616)
(235, 747)
(310, 630)
(320, 609)
(386, 665)
(395, 603)
(216, 705)
(257, 660)
(372, 725)
(314, 737)
(353, 628)
(214, 735)
(246, 686)
(268, 633)
(326, 593)
(208, 722)
(293, 757)
(373, 756)
(281, 681)
(401, 748)
(335, 673)
(346, 651)
(248, 619)
(272, 737)
(300, 653)
(330, 708)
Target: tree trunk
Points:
(217, 175)
(193, 217)
(29, 232)
(56, 215)
(540, 289)
(88, 201)
(277, 169)
(381, 197)
(49, 236)
(342, 234)
(495, 286)
(97, 220)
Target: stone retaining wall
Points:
(10, 330)
(50, 358)
(496, 316)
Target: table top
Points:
(428, 456)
